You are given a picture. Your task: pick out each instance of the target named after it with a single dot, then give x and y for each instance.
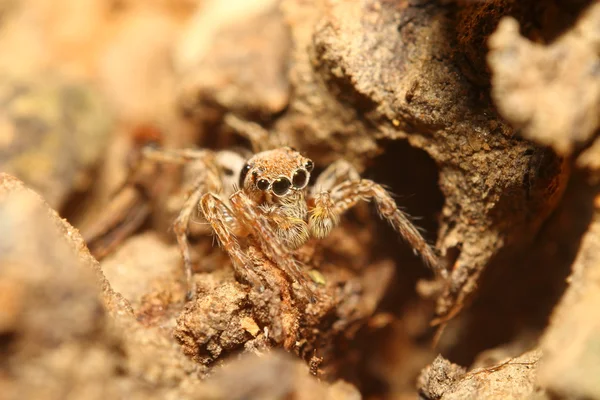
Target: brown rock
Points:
(68, 334)
(57, 333)
(254, 376)
(511, 379)
(52, 132)
(390, 70)
(551, 93)
(571, 362)
(234, 57)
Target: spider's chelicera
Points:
(275, 206)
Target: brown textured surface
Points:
(514, 378)
(41, 119)
(533, 82)
(497, 151)
(570, 344)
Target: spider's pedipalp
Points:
(322, 216)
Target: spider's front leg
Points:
(328, 206)
(180, 227)
(225, 225)
(270, 241)
(174, 156)
(259, 137)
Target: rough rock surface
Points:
(482, 117)
(67, 334)
(386, 70)
(533, 82)
(57, 335)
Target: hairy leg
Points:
(174, 156)
(259, 137)
(224, 224)
(270, 242)
(225, 165)
(329, 206)
(339, 171)
(180, 227)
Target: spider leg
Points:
(206, 181)
(180, 227)
(336, 173)
(204, 172)
(270, 242)
(131, 202)
(173, 156)
(224, 223)
(259, 137)
(346, 195)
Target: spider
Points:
(273, 203)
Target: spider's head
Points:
(276, 173)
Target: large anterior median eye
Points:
(281, 186)
(300, 179)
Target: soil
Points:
(481, 117)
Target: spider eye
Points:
(309, 165)
(300, 179)
(262, 184)
(281, 186)
(243, 174)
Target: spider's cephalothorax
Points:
(277, 180)
(275, 207)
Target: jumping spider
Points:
(274, 204)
